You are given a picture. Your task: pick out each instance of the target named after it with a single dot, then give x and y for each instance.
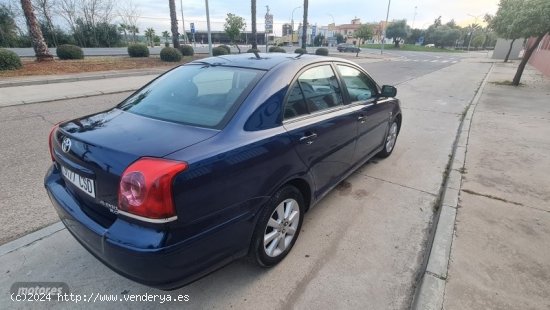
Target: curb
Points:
(81, 78)
(31, 238)
(430, 293)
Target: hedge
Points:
(170, 54)
(187, 50)
(138, 50)
(68, 51)
(9, 60)
(227, 48)
(300, 51)
(276, 49)
(218, 51)
(322, 51)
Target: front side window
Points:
(359, 85)
(198, 95)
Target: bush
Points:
(138, 50)
(170, 54)
(187, 50)
(322, 51)
(9, 60)
(68, 51)
(300, 51)
(166, 44)
(253, 50)
(227, 48)
(218, 51)
(277, 49)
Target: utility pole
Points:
(208, 29)
(292, 23)
(385, 27)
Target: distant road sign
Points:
(269, 23)
(192, 27)
(313, 30)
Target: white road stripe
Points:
(434, 61)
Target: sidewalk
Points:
(74, 88)
(500, 254)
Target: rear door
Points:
(373, 114)
(322, 128)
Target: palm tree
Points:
(174, 22)
(150, 35)
(133, 30)
(40, 48)
(165, 35)
(124, 29)
(254, 36)
(304, 25)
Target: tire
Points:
(270, 227)
(390, 140)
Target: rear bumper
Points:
(138, 252)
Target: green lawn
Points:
(411, 47)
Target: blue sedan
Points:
(215, 160)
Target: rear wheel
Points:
(278, 227)
(391, 139)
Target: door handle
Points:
(308, 139)
(362, 118)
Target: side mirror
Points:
(388, 91)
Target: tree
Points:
(364, 32)
(233, 26)
(304, 25)
(505, 22)
(254, 32)
(40, 48)
(174, 23)
(133, 30)
(129, 13)
(397, 30)
(535, 19)
(445, 36)
(414, 36)
(44, 7)
(339, 38)
(8, 27)
(318, 40)
(165, 35)
(150, 35)
(478, 40)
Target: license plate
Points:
(83, 183)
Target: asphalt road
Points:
(361, 247)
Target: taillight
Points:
(50, 138)
(146, 188)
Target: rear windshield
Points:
(199, 95)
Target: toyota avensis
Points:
(215, 160)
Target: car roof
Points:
(267, 61)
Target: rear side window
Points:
(316, 89)
(197, 95)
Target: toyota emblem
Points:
(66, 145)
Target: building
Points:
(348, 30)
(287, 29)
(541, 56)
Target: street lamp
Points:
(185, 39)
(414, 17)
(208, 28)
(292, 23)
(385, 27)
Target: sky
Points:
(155, 13)
(321, 12)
